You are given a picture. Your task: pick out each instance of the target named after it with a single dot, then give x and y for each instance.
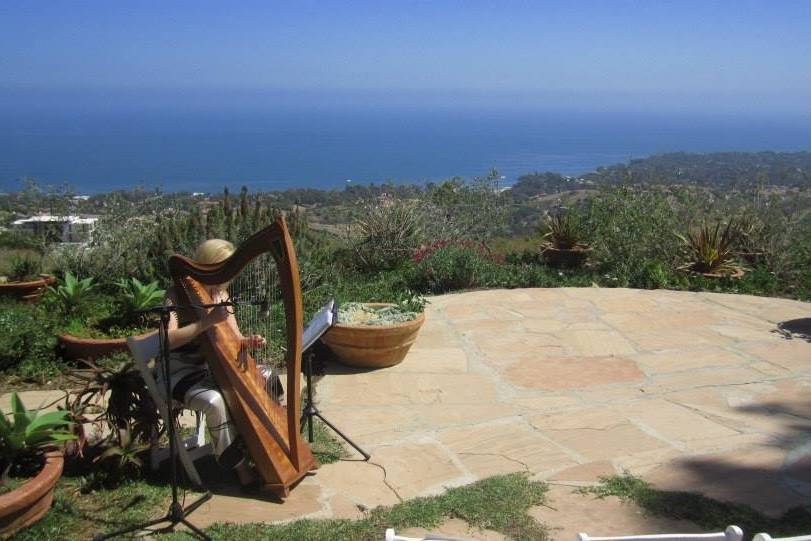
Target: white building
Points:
(61, 228)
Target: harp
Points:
(263, 271)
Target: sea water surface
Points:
(203, 151)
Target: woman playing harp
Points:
(190, 380)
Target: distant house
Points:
(58, 228)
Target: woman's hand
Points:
(254, 341)
(216, 315)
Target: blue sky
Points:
(610, 55)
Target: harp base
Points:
(282, 490)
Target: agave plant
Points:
(563, 230)
(25, 267)
(72, 292)
(138, 297)
(710, 248)
(24, 435)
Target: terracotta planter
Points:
(89, 349)
(565, 257)
(29, 291)
(736, 274)
(373, 346)
(31, 501)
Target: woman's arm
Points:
(180, 336)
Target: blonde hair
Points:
(214, 251)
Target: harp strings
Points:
(258, 284)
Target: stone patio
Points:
(691, 391)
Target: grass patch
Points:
(707, 513)
(78, 516)
(498, 503)
(326, 447)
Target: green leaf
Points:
(49, 420)
(21, 416)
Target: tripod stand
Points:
(311, 411)
(177, 513)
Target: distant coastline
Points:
(202, 152)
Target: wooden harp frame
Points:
(271, 434)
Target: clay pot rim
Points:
(47, 279)
(579, 248)
(30, 491)
(417, 320)
(736, 274)
(70, 339)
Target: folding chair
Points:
(391, 536)
(144, 348)
(767, 537)
(732, 533)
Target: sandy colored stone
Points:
(794, 355)
(390, 388)
(35, 399)
(343, 508)
(572, 372)
(361, 483)
(546, 402)
(568, 513)
(590, 472)
(504, 447)
(688, 359)
(598, 343)
(462, 414)
(702, 378)
(432, 360)
(596, 434)
(373, 425)
(543, 325)
(418, 468)
(672, 422)
(749, 476)
(303, 501)
(675, 338)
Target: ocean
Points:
(202, 151)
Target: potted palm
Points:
(25, 281)
(31, 463)
(709, 250)
(563, 244)
(375, 335)
(89, 336)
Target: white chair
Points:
(732, 533)
(144, 348)
(767, 537)
(391, 536)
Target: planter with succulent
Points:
(563, 244)
(375, 335)
(25, 280)
(709, 250)
(31, 461)
(97, 325)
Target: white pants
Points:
(207, 399)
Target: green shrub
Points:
(385, 234)
(451, 268)
(72, 294)
(27, 341)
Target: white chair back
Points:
(144, 348)
(391, 536)
(767, 537)
(732, 533)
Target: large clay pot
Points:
(373, 346)
(32, 500)
(90, 349)
(565, 257)
(29, 291)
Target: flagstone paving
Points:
(690, 391)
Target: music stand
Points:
(319, 325)
(176, 513)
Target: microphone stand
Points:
(176, 513)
